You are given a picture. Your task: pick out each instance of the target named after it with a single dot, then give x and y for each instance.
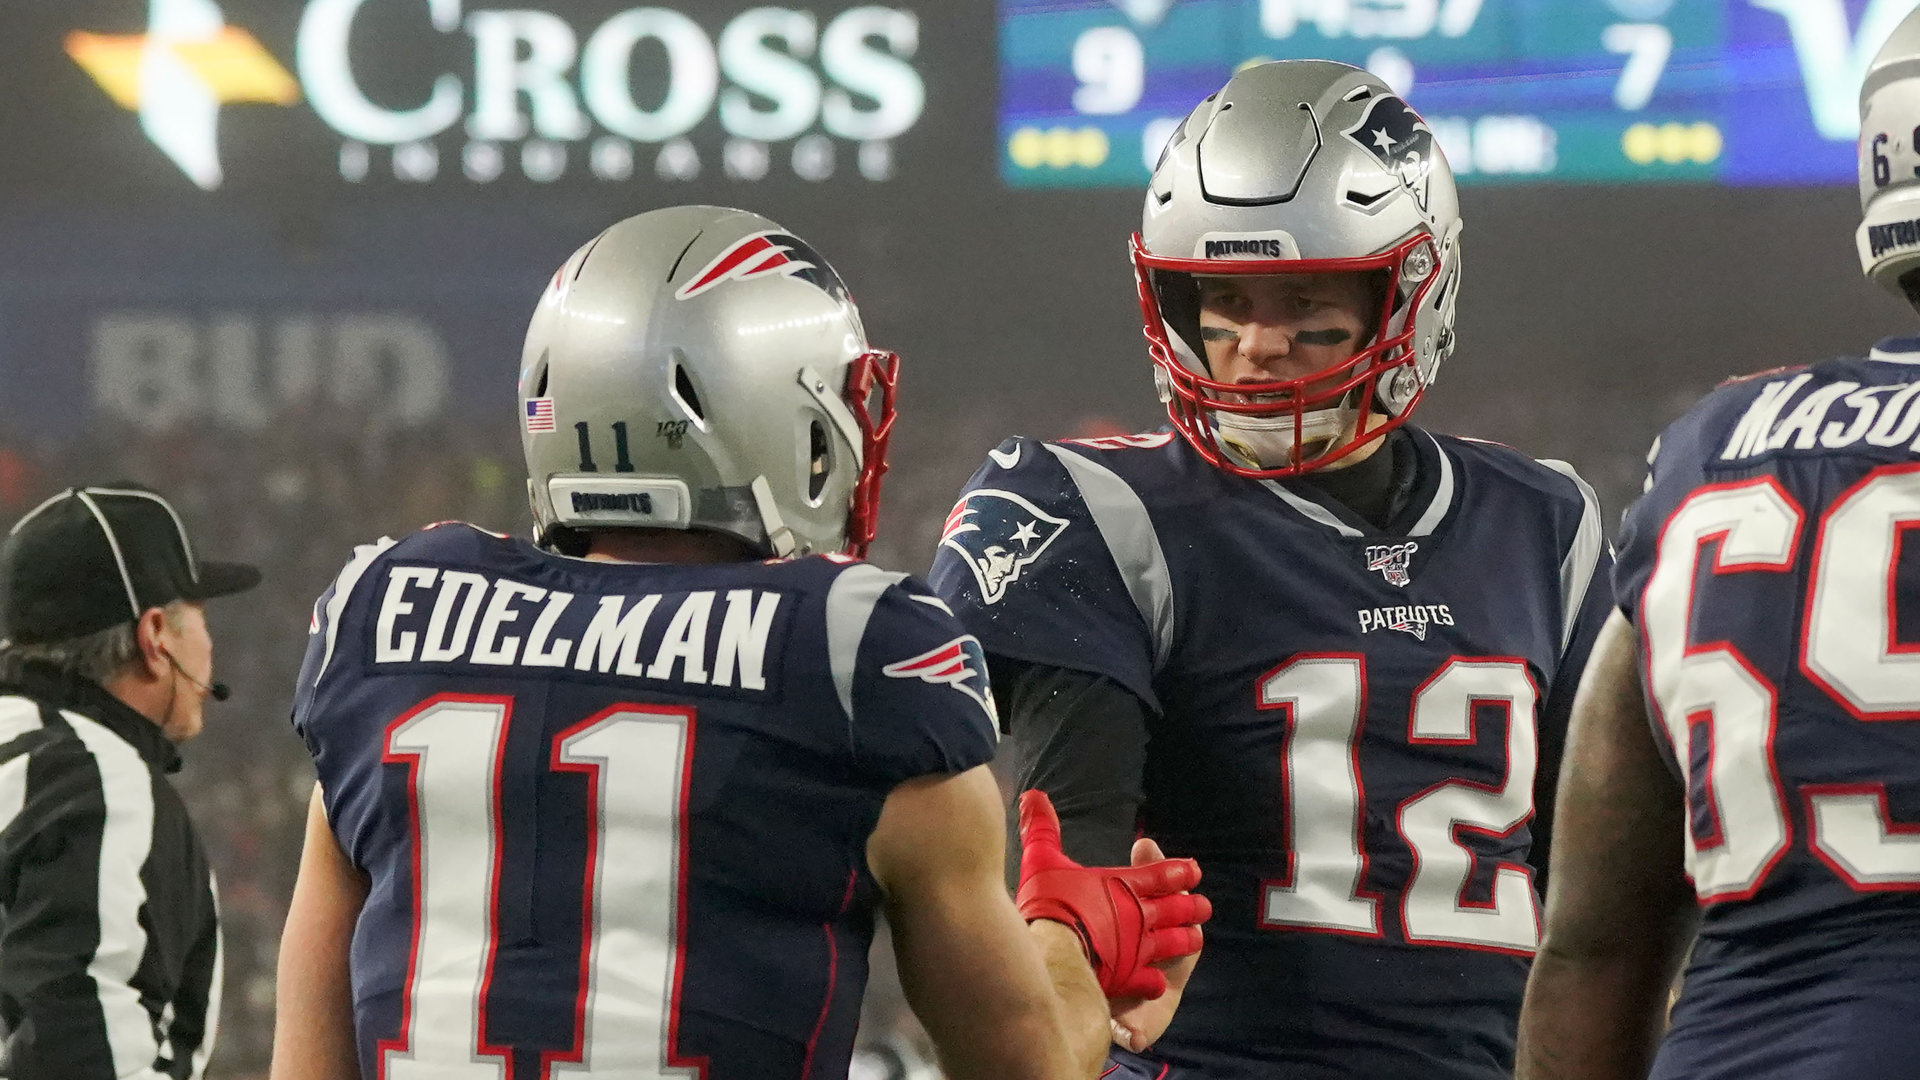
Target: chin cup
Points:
(1267, 442)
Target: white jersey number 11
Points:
(637, 763)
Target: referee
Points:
(109, 934)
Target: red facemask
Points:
(1195, 398)
(875, 414)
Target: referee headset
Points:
(217, 690)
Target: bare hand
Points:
(1138, 1023)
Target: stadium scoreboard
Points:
(1735, 91)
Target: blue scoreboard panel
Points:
(1735, 91)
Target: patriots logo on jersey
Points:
(1392, 560)
(1403, 143)
(762, 255)
(960, 663)
(1000, 534)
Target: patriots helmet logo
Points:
(1393, 561)
(1395, 134)
(960, 663)
(764, 255)
(1000, 534)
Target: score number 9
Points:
(1112, 69)
(1882, 168)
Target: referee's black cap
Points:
(91, 558)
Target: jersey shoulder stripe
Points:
(855, 592)
(1574, 514)
(1051, 557)
(327, 610)
(1486, 460)
(1124, 524)
(1583, 554)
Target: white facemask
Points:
(1266, 442)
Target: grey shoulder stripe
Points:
(1123, 523)
(932, 602)
(1887, 357)
(1442, 495)
(1576, 570)
(363, 557)
(850, 602)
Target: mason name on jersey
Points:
(431, 615)
(1834, 416)
(1770, 574)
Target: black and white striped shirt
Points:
(109, 931)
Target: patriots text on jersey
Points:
(1345, 728)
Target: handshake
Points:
(1138, 925)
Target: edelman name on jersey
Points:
(431, 615)
(616, 814)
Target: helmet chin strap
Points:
(779, 537)
(1267, 442)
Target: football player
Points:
(624, 802)
(1744, 759)
(1323, 651)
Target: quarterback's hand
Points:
(1127, 918)
(1139, 1022)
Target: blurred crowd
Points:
(293, 499)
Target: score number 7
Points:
(1647, 46)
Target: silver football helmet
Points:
(703, 368)
(1889, 235)
(1300, 166)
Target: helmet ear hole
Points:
(819, 461)
(686, 395)
(1910, 285)
(540, 383)
(1440, 291)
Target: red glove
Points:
(1126, 917)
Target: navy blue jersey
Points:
(1343, 722)
(1767, 572)
(1830, 1006)
(615, 815)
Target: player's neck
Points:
(1373, 485)
(666, 546)
(1363, 452)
